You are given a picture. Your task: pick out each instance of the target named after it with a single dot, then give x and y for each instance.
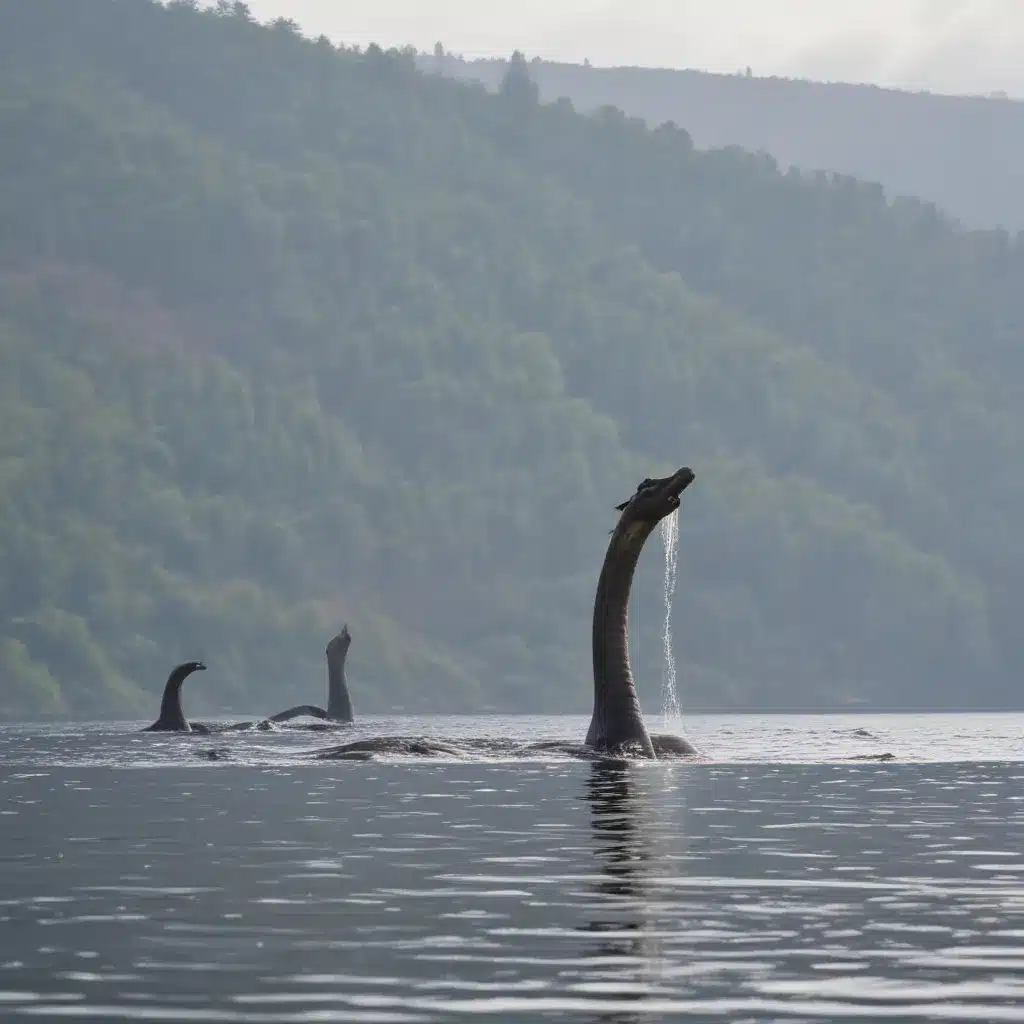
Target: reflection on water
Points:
(624, 860)
(558, 890)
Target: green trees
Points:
(306, 335)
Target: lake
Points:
(775, 881)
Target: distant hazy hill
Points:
(964, 153)
(291, 335)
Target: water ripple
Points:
(426, 891)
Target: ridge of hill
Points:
(959, 152)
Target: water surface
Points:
(774, 882)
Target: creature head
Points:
(657, 498)
(340, 643)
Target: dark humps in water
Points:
(339, 703)
(617, 727)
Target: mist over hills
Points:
(293, 334)
(963, 153)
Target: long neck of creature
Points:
(615, 699)
(170, 705)
(339, 704)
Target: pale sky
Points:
(957, 46)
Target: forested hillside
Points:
(293, 334)
(961, 152)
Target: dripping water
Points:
(669, 695)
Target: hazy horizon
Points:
(950, 46)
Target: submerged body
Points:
(617, 724)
